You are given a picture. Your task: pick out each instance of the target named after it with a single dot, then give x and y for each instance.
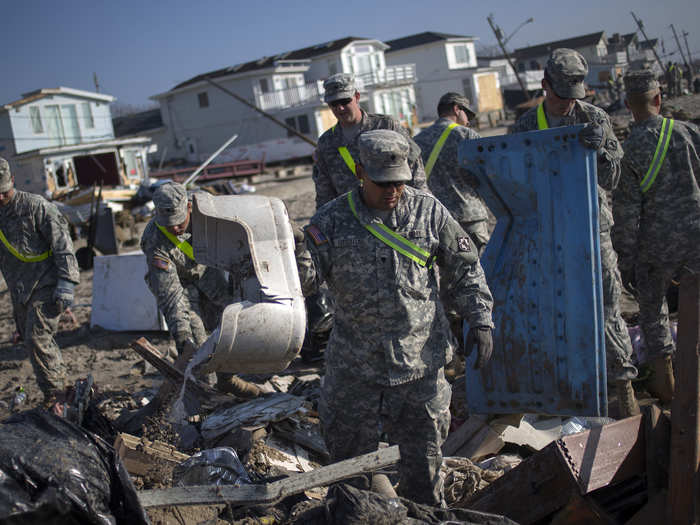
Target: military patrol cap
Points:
(5, 176)
(641, 81)
(566, 69)
(170, 200)
(338, 87)
(455, 98)
(383, 155)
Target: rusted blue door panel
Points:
(543, 267)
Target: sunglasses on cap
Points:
(389, 184)
(340, 102)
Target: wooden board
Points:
(140, 454)
(271, 492)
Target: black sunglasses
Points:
(340, 102)
(389, 184)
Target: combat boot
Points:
(661, 383)
(232, 384)
(382, 486)
(626, 400)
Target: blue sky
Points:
(142, 48)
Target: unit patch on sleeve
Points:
(464, 244)
(317, 235)
(160, 263)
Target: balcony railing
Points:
(389, 76)
(290, 97)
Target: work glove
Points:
(481, 335)
(592, 136)
(63, 293)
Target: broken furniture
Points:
(251, 238)
(542, 264)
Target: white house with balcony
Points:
(445, 63)
(56, 139)
(199, 117)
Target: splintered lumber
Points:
(575, 464)
(685, 421)
(139, 455)
(270, 493)
(455, 440)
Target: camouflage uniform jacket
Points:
(32, 225)
(390, 327)
(169, 274)
(609, 156)
(331, 174)
(662, 224)
(447, 181)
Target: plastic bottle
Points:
(19, 399)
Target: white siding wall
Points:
(434, 76)
(26, 139)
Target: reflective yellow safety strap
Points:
(22, 257)
(658, 159)
(347, 158)
(394, 240)
(541, 118)
(437, 149)
(183, 246)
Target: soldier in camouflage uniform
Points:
(191, 296)
(39, 267)
(446, 179)
(336, 154)
(390, 340)
(657, 216)
(563, 84)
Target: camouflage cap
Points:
(455, 98)
(5, 176)
(339, 86)
(641, 81)
(171, 204)
(566, 69)
(383, 155)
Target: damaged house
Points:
(200, 117)
(58, 139)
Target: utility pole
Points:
(641, 28)
(690, 57)
(680, 47)
(96, 81)
(499, 34)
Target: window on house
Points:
(36, 119)
(291, 122)
(332, 67)
(461, 54)
(88, 121)
(203, 99)
(303, 121)
(264, 86)
(534, 65)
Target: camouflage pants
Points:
(653, 280)
(618, 346)
(416, 416)
(37, 322)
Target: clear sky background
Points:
(141, 48)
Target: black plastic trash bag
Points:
(214, 466)
(55, 472)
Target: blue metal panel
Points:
(543, 267)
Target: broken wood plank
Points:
(272, 492)
(240, 439)
(484, 443)
(140, 455)
(466, 431)
(582, 510)
(575, 464)
(685, 421)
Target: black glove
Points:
(481, 335)
(63, 293)
(592, 136)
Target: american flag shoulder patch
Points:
(316, 234)
(161, 264)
